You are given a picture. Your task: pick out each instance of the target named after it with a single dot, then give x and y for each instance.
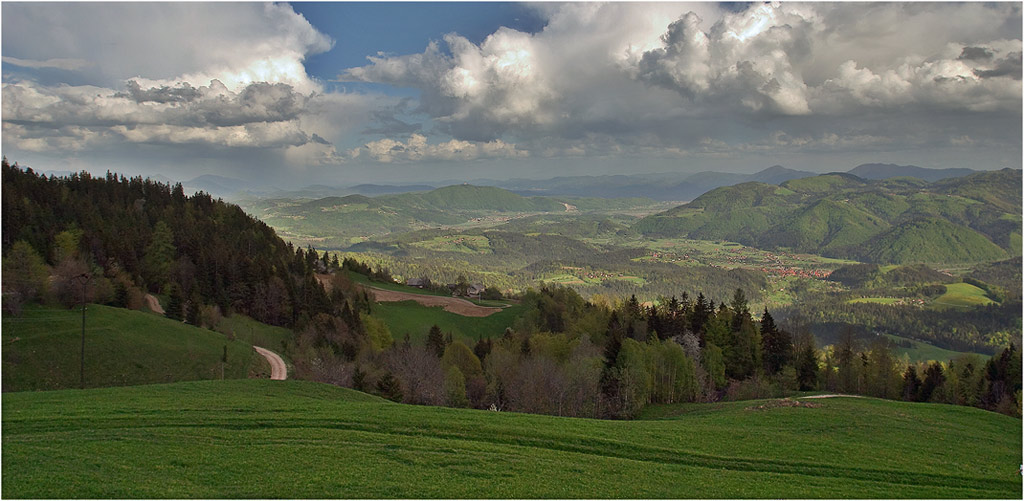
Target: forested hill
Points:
(975, 218)
(135, 234)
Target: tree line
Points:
(569, 356)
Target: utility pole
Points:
(84, 279)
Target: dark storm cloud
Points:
(1009, 66)
(163, 94)
(975, 54)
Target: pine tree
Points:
(933, 379)
(358, 379)
(777, 345)
(389, 388)
(807, 368)
(175, 303)
(435, 340)
(911, 384)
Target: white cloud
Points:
(640, 76)
(167, 43)
(416, 148)
(227, 76)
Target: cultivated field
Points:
(293, 439)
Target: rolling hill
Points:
(295, 439)
(123, 347)
(898, 220)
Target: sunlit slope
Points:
(268, 439)
(900, 220)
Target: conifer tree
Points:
(389, 388)
(435, 340)
(175, 303)
(911, 384)
(807, 368)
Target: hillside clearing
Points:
(454, 305)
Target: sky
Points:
(290, 95)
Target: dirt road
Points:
(278, 370)
(454, 305)
(154, 304)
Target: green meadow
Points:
(42, 349)
(924, 352)
(962, 295)
(294, 439)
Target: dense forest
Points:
(132, 236)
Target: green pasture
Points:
(295, 439)
(42, 346)
(391, 286)
(410, 317)
(924, 352)
(962, 295)
(877, 300)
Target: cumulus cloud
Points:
(261, 115)
(416, 148)
(629, 77)
(770, 58)
(166, 43)
(227, 76)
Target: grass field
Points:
(879, 300)
(293, 439)
(415, 319)
(391, 286)
(962, 295)
(41, 350)
(924, 352)
(256, 333)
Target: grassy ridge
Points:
(230, 439)
(41, 350)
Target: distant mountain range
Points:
(681, 187)
(668, 186)
(897, 220)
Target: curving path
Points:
(278, 370)
(153, 304)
